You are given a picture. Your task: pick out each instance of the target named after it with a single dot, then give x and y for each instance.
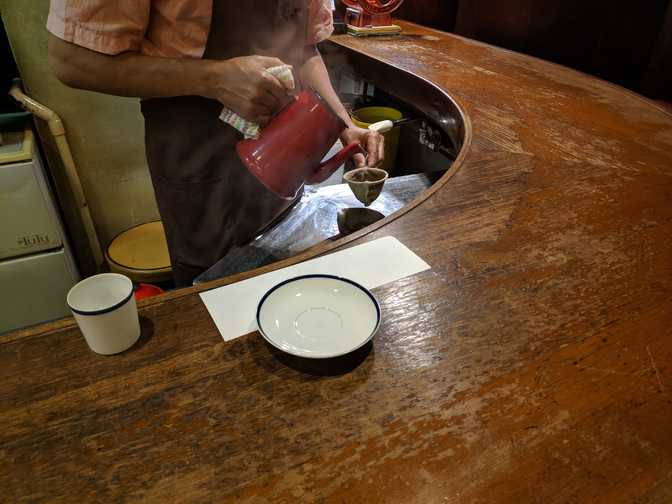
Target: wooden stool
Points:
(141, 253)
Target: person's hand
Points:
(243, 85)
(372, 142)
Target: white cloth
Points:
(251, 129)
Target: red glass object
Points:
(370, 13)
(289, 150)
(144, 290)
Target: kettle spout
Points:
(329, 166)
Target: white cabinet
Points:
(36, 266)
(33, 289)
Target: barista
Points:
(186, 59)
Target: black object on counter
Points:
(12, 117)
(339, 24)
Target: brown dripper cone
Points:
(366, 183)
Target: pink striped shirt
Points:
(165, 28)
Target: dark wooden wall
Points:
(658, 77)
(629, 43)
(440, 14)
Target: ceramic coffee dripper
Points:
(366, 183)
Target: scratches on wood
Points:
(528, 365)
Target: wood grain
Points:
(530, 364)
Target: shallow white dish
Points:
(318, 316)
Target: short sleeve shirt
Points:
(164, 28)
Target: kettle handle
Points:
(326, 168)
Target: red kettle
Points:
(289, 149)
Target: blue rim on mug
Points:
(103, 310)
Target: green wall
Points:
(105, 133)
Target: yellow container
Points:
(368, 115)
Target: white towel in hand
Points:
(248, 128)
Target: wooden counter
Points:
(531, 364)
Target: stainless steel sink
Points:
(311, 221)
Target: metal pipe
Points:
(57, 130)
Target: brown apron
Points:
(207, 199)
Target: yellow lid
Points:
(16, 146)
(141, 253)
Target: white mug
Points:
(105, 310)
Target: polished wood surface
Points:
(530, 364)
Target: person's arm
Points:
(239, 83)
(314, 74)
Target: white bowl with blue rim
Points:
(318, 316)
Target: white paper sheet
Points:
(233, 307)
